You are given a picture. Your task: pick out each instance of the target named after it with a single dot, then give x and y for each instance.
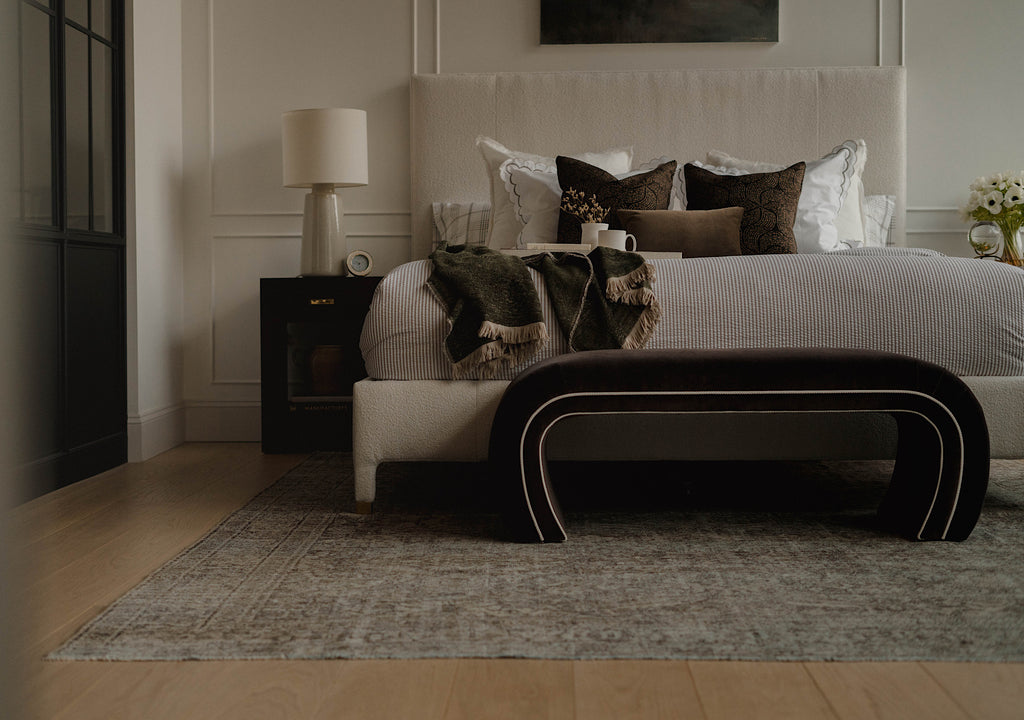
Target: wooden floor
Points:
(85, 545)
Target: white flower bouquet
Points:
(999, 199)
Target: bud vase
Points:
(588, 232)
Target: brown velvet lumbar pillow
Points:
(768, 200)
(694, 233)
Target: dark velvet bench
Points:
(942, 462)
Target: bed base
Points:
(450, 421)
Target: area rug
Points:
(755, 561)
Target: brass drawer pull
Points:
(321, 301)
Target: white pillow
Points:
(851, 223)
(536, 196)
(533, 191)
(830, 211)
(505, 226)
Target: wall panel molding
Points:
(938, 228)
(892, 16)
(386, 223)
(939, 220)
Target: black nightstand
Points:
(309, 351)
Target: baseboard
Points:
(153, 432)
(222, 421)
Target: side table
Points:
(309, 352)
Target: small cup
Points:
(616, 239)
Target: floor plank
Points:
(267, 689)
(988, 691)
(506, 689)
(635, 689)
(884, 691)
(758, 691)
(381, 689)
(50, 513)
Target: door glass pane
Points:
(77, 11)
(36, 150)
(101, 18)
(77, 78)
(102, 138)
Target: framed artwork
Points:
(567, 22)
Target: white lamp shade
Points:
(324, 146)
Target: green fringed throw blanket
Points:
(492, 307)
(602, 301)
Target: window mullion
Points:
(59, 114)
(22, 194)
(88, 66)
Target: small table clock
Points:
(359, 262)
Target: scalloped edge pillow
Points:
(505, 226)
(831, 210)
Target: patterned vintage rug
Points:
(742, 561)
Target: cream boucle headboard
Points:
(777, 115)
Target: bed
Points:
(414, 410)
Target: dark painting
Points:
(658, 21)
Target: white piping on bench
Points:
(547, 496)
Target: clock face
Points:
(359, 262)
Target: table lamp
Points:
(323, 148)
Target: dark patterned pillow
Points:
(768, 200)
(644, 191)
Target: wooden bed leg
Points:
(364, 508)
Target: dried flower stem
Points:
(585, 210)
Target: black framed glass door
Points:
(70, 236)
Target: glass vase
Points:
(1012, 247)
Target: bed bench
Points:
(942, 461)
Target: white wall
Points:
(245, 61)
(965, 102)
(155, 211)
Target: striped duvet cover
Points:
(965, 315)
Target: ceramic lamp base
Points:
(321, 228)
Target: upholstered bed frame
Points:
(778, 115)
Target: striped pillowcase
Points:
(879, 216)
(461, 223)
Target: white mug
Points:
(615, 239)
